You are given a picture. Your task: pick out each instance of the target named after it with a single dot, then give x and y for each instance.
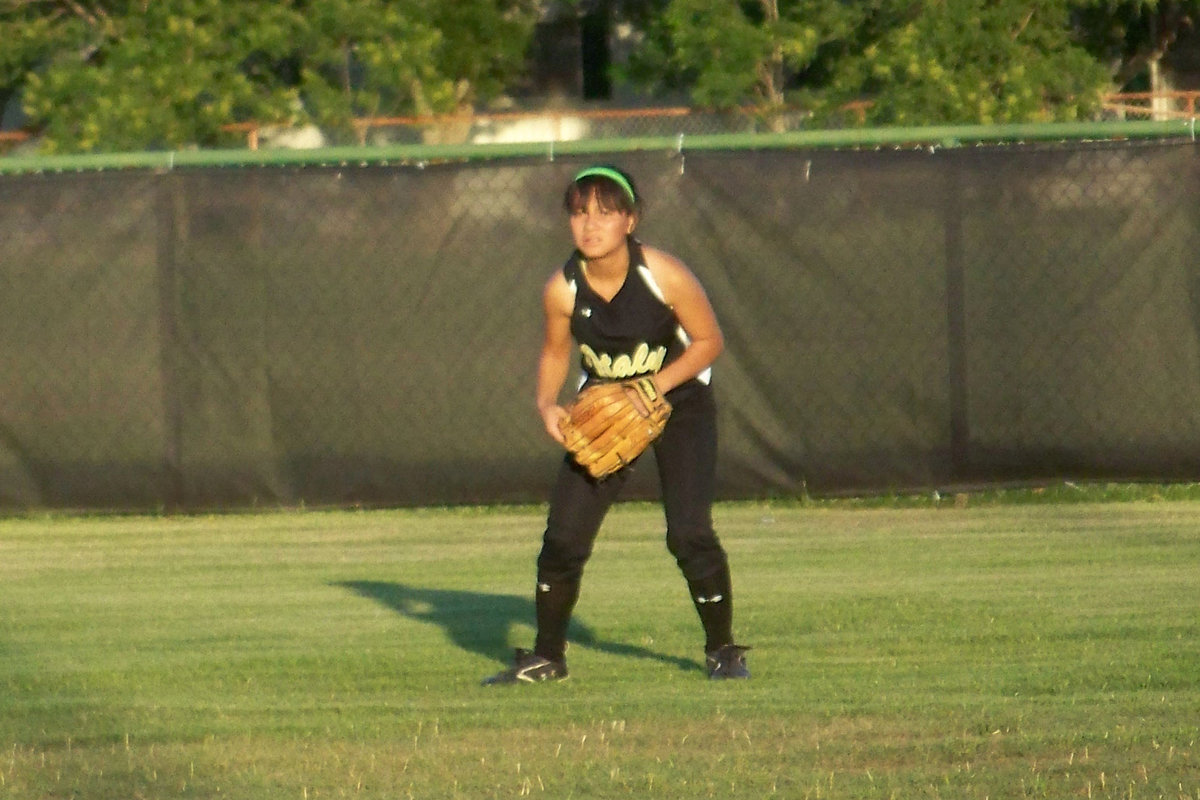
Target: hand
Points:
(552, 416)
(638, 398)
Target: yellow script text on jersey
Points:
(623, 366)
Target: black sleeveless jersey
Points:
(635, 333)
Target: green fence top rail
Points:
(934, 136)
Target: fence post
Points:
(168, 197)
(956, 319)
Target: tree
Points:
(903, 61)
(365, 58)
(733, 54)
(368, 58)
(148, 74)
(968, 61)
(127, 75)
(1131, 37)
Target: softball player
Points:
(633, 310)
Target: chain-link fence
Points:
(895, 319)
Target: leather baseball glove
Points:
(611, 424)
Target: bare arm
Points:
(554, 364)
(686, 296)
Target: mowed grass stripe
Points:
(1046, 650)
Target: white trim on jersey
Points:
(648, 278)
(706, 375)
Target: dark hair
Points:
(613, 189)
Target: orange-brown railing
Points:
(1124, 105)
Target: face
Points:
(600, 231)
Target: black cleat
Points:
(529, 667)
(728, 661)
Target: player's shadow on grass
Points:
(481, 623)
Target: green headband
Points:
(611, 174)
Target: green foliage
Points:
(110, 75)
(731, 54)
(166, 75)
(969, 61)
(483, 46)
(725, 49)
(113, 75)
(904, 62)
(362, 58)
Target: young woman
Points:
(633, 310)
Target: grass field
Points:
(998, 650)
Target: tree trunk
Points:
(771, 73)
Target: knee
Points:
(561, 560)
(697, 551)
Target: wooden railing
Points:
(1126, 105)
(1153, 105)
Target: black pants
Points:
(685, 456)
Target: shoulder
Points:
(669, 272)
(558, 293)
